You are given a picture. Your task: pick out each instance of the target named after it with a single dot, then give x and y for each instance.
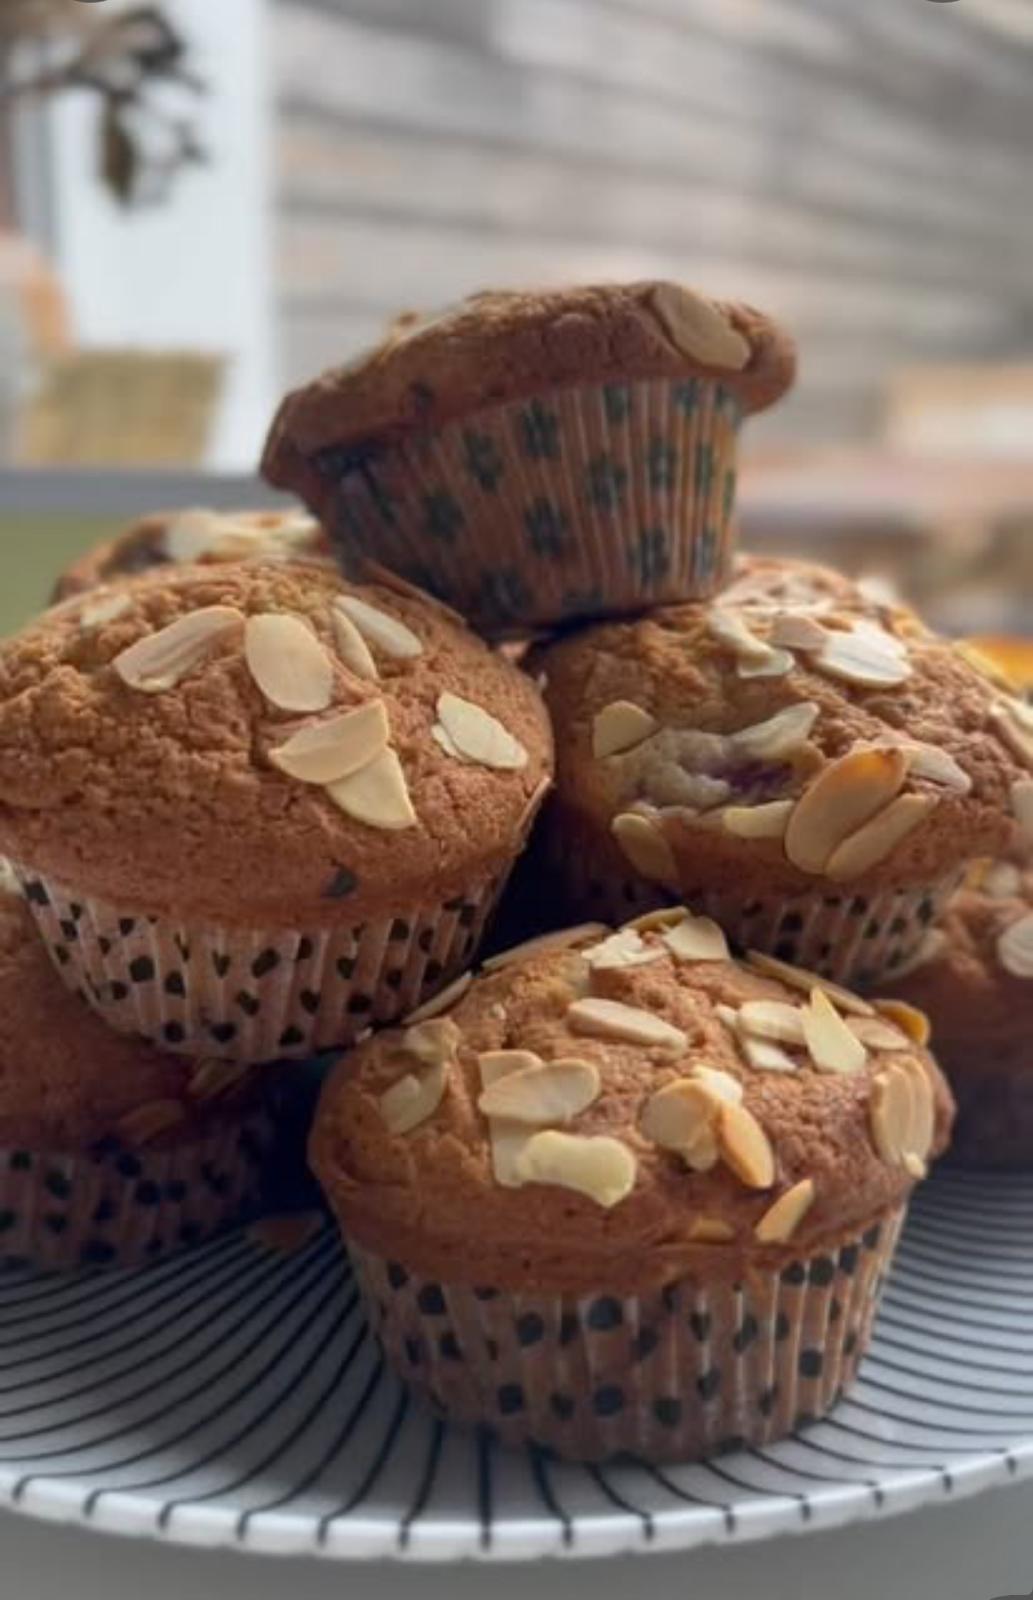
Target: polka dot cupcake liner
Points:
(684, 1372)
(116, 1207)
(254, 996)
(583, 502)
(854, 937)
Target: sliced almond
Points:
(497, 1064)
(682, 1117)
(159, 660)
(875, 1034)
(729, 1015)
(413, 1099)
(781, 1220)
(324, 752)
(620, 726)
(923, 1110)
(721, 1085)
(795, 630)
(803, 978)
(731, 630)
(562, 939)
(936, 766)
(890, 1114)
(1013, 720)
(710, 1230)
(914, 1024)
(103, 608)
(999, 880)
(507, 1139)
(645, 846)
(432, 1041)
(288, 663)
(1022, 807)
(1015, 948)
(542, 1095)
(375, 572)
(377, 794)
(212, 1078)
(380, 629)
(773, 1019)
(766, 1056)
(832, 1046)
(478, 736)
(351, 646)
(148, 1122)
(879, 837)
(698, 329)
(662, 917)
(782, 735)
(696, 939)
(758, 822)
(596, 1166)
(449, 996)
(625, 948)
(745, 1147)
(612, 1019)
(773, 665)
(844, 796)
(866, 655)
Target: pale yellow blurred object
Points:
(135, 408)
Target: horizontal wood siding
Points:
(863, 170)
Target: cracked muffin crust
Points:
(791, 741)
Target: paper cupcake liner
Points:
(254, 996)
(581, 502)
(854, 936)
(672, 1375)
(119, 1207)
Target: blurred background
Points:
(204, 201)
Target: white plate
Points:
(233, 1396)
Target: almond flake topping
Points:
(914, 1024)
(711, 1230)
(875, 1034)
(867, 655)
(103, 608)
(1015, 948)
(682, 1117)
(562, 939)
(840, 800)
(928, 761)
(620, 726)
(598, 1167)
(612, 1019)
(377, 794)
(795, 630)
(288, 663)
(625, 948)
(901, 1115)
(543, 1094)
(765, 1056)
(756, 658)
(745, 1147)
(784, 734)
(781, 1220)
(698, 329)
(387, 633)
(832, 1046)
(696, 939)
(1013, 720)
(768, 821)
(646, 847)
(507, 1138)
(413, 1099)
(879, 837)
(802, 978)
(999, 880)
(323, 752)
(773, 1019)
(432, 1041)
(159, 660)
(473, 734)
(351, 646)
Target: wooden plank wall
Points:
(862, 167)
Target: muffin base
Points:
(121, 1208)
(677, 1374)
(584, 501)
(854, 937)
(254, 996)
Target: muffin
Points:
(257, 809)
(688, 1175)
(111, 1153)
(807, 765)
(536, 456)
(974, 977)
(181, 537)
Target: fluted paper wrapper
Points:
(254, 996)
(121, 1208)
(582, 502)
(674, 1375)
(853, 936)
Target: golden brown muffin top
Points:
(505, 345)
(793, 731)
(626, 1108)
(974, 972)
(263, 745)
(182, 537)
(67, 1080)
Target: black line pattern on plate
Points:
(247, 1384)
